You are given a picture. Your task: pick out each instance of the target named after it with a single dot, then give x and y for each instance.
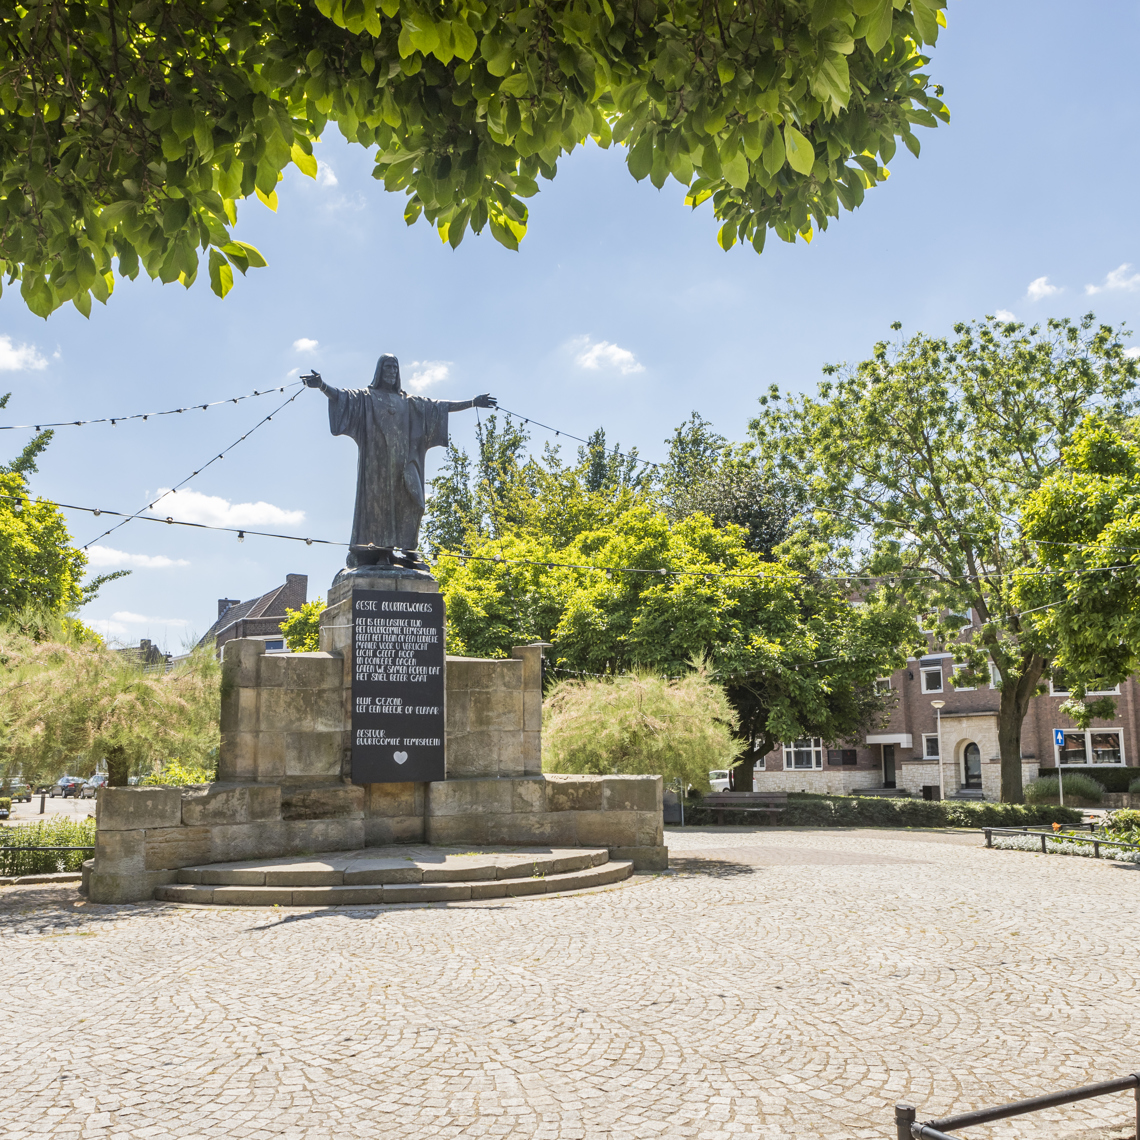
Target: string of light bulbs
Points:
(209, 463)
(114, 420)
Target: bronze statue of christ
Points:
(393, 432)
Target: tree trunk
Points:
(1011, 714)
(742, 774)
(118, 767)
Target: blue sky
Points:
(619, 310)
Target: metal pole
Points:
(42, 798)
(1136, 1093)
(941, 770)
(905, 1115)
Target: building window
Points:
(1097, 746)
(882, 684)
(842, 757)
(957, 685)
(275, 646)
(806, 753)
(930, 746)
(932, 680)
(1059, 687)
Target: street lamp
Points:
(937, 706)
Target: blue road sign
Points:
(1059, 737)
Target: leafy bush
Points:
(1124, 824)
(176, 774)
(883, 811)
(302, 628)
(1043, 790)
(15, 842)
(1134, 788)
(640, 724)
(5, 803)
(1113, 777)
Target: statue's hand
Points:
(313, 380)
(485, 401)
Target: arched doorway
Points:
(972, 766)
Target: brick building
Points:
(259, 617)
(910, 753)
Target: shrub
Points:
(178, 775)
(640, 724)
(1077, 787)
(302, 628)
(1134, 788)
(1112, 777)
(1123, 824)
(881, 811)
(16, 858)
(5, 803)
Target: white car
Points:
(718, 780)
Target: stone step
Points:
(396, 864)
(373, 894)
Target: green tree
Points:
(67, 703)
(129, 133)
(302, 628)
(39, 568)
(635, 590)
(1081, 592)
(925, 453)
(640, 724)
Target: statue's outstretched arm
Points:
(484, 401)
(313, 380)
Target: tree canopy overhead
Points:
(129, 132)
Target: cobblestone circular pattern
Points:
(776, 984)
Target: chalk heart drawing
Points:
(399, 757)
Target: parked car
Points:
(65, 786)
(17, 790)
(92, 785)
(4, 813)
(718, 781)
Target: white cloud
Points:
(603, 354)
(1117, 279)
(213, 510)
(1132, 353)
(106, 628)
(128, 618)
(304, 344)
(1004, 315)
(1039, 288)
(425, 373)
(325, 175)
(107, 556)
(19, 357)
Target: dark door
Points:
(888, 765)
(973, 766)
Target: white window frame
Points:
(929, 738)
(924, 669)
(1054, 692)
(812, 744)
(1089, 761)
(883, 685)
(954, 681)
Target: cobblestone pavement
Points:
(779, 983)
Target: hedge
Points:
(17, 859)
(884, 811)
(1113, 777)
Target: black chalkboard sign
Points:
(397, 687)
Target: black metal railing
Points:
(1058, 837)
(908, 1126)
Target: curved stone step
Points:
(373, 894)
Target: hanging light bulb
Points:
(241, 536)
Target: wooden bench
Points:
(764, 803)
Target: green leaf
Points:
(221, 275)
(801, 156)
(270, 200)
(252, 253)
(925, 20)
(774, 153)
(465, 40)
(735, 170)
(726, 238)
(640, 160)
(876, 25)
(304, 161)
(517, 84)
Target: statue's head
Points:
(387, 373)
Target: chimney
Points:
(296, 590)
(225, 603)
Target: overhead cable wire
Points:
(173, 490)
(578, 439)
(113, 420)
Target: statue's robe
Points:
(393, 432)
